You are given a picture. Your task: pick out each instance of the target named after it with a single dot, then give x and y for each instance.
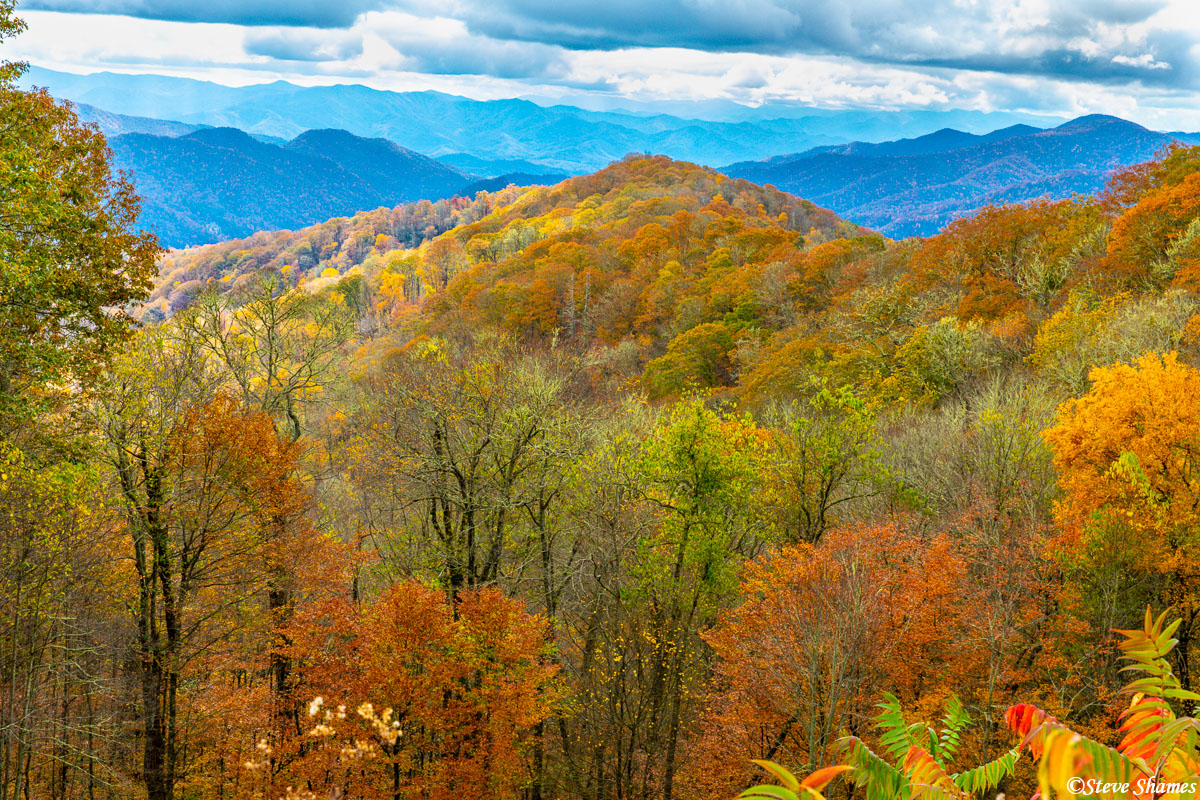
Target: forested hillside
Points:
(221, 183)
(914, 187)
(202, 185)
(882, 482)
(594, 491)
(111, 124)
(316, 253)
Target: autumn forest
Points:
(594, 491)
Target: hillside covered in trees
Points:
(593, 491)
(220, 183)
(914, 187)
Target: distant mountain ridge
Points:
(908, 187)
(513, 179)
(215, 184)
(112, 124)
(488, 168)
(221, 183)
(562, 138)
(902, 187)
(939, 141)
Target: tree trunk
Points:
(154, 764)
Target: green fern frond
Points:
(879, 779)
(1106, 761)
(926, 791)
(791, 787)
(953, 723)
(987, 777)
(1179, 735)
(1148, 650)
(768, 791)
(897, 735)
(1067, 754)
(788, 791)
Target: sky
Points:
(1139, 59)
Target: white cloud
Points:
(1145, 60)
(1106, 63)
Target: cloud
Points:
(1110, 41)
(1133, 58)
(1145, 60)
(304, 45)
(1101, 40)
(308, 13)
(443, 46)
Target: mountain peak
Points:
(327, 134)
(223, 137)
(336, 138)
(1093, 122)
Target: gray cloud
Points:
(497, 59)
(1069, 42)
(304, 45)
(1076, 40)
(450, 50)
(308, 13)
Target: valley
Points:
(770, 401)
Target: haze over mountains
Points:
(563, 138)
(112, 124)
(214, 162)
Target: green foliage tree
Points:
(826, 456)
(277, 347)
(697, 359)
(943, 357)
(699, 470)
(71, 259)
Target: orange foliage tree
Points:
(1158, 239)
(1007, 260)
(821, 629)
(464, 683)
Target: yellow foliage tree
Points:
(1128, 456)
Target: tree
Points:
(456, 438)
(819, 628)
(698, 470)
(696, 359)
(278, 347)
(464, 680)
(1157, 755)
(56, 580)
(826, 455)
(1093, 331)
(600, 619)
(1006, 259)
(204, 484)
(71, 262)
(1153, 238)
(1128, 453)
(942, 358)
(70, 257)
(10, 26)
